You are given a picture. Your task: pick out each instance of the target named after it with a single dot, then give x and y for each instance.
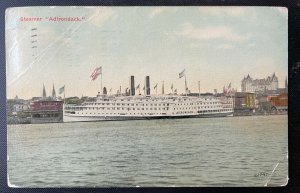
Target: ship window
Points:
(133, 108)
(132, 104)
(155, 109)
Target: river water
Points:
(231, 151)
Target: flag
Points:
(182, 74)
(96, 73)
(137, 87)
(144, 88)
(155, 86)
(229, 86)
(224, 90)
(172, 86)
(62, 89)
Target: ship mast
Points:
(101, 89)
(199, 87)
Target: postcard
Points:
(147, 96)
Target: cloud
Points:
(156, 11)
(208, 33)
(225, 46)
(221, 11)
(101, 15)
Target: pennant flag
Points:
(137, 87)
(224, 90)
(61, 90)
(144, 88)
(182, 74)
(96, 73)
(155, 86)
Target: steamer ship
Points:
(148, 107)
(129, 106)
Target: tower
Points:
(53, 93)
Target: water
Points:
(233, 151)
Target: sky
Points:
(215, 45)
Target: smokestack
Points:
(131, 86)
(147, 85)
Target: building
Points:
(20, 108)
(259, 85)
(279, 102)
(46, 111)
(244, 100)
(244, 103)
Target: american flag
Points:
(96, 73)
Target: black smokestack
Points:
(131, 85)
(147, 85)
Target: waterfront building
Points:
(259, 85)
(20, 107)
(279, 102)
(244, 100)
